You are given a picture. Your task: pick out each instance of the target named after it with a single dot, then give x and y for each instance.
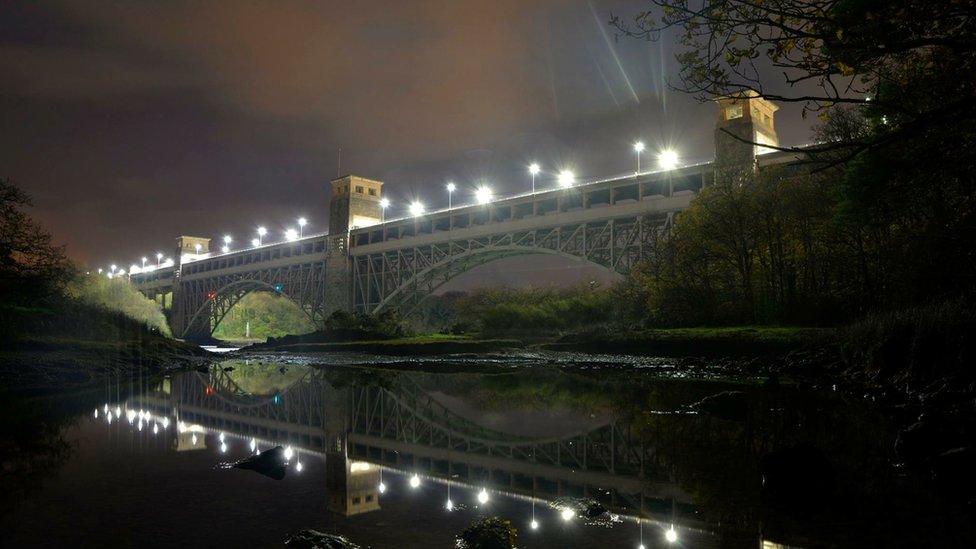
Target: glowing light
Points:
(148, 415)
(567, 514)
(566, 178)
(381, 487)
(262, 231)
(449, 505)
(289, 453)
(451, 187)
(165, 423)
(641, 546)
(108, 417)
(159, 255)
(254, 445)
(639, 147)
(667, 159)
(415, 482)
(197, 247)
(359, 466)
(416, 209)
(105, 408)
(299, 466)
(255, 242)
(193, 439)
(302, 222)
(227, 239)
(130, 415)
(118, 411)
(140, 424)
(483, 195)
(291, 235)
(223, 447)
(384, 203)
(225, 248)
(534, 524)
(113, 267)
(156, 430)
(220, 437)
(671, 535)
(534, 168)
(96, 413)
(483, 496)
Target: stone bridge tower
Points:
(353, 202)
(749, 119)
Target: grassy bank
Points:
(701, 341)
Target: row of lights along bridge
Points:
(667, 159)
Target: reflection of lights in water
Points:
(382, 487)
(641, 546)
(155, 428)
(254, 445)
(96, 413)
(140, 424)
(108, 417)
(671, 535)
(299, 466)
(567, 514)
(534, 524)
(414, 481)
(130, 415)
(181, 427)
(483, 496)
(165, 423)
(118, 411)
(220, 437)
(289, 453)
(193, 439)
(105, 409)
(358, 466)
(148, 415)
(223, 447)
(450, 505)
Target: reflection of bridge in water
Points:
(400, 427)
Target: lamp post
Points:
(668, 160)
(261, 232)
(227, 240)
(301, 226)
(638, 148)
(384, 204)
(416, 208)
(451, 187)
(566, 179)
(533, 171)
(144, 262)
(159, 257)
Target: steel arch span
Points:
(208, 301)
(402, 278)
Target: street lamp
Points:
(255, 242)
(534, 171)
(566, 178)
(113, 267)
(667, 159)
(416, 208)
(291, 235)
(197, 248)
(638, 148)
(483, 195)
(451, 187)
(384, 204)
(144, 262)
(261, 232)
(301, 226)
(159, 257)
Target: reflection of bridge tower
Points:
(354, 202)
(352, 485)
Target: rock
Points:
(730, 405)
(954, 473)
(488, 533)
(799, 475)
(270, 463)
(313, 539)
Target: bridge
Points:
(368, 264)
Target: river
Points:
(572, 454)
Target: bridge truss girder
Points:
(404, 277)
(201, 303)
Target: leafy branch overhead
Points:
(908, 63)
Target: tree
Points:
(32, 269)
(908, 60)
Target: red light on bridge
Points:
(211, 295)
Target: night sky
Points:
(134, 122)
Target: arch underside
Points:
(212, 311)
(403, 279)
